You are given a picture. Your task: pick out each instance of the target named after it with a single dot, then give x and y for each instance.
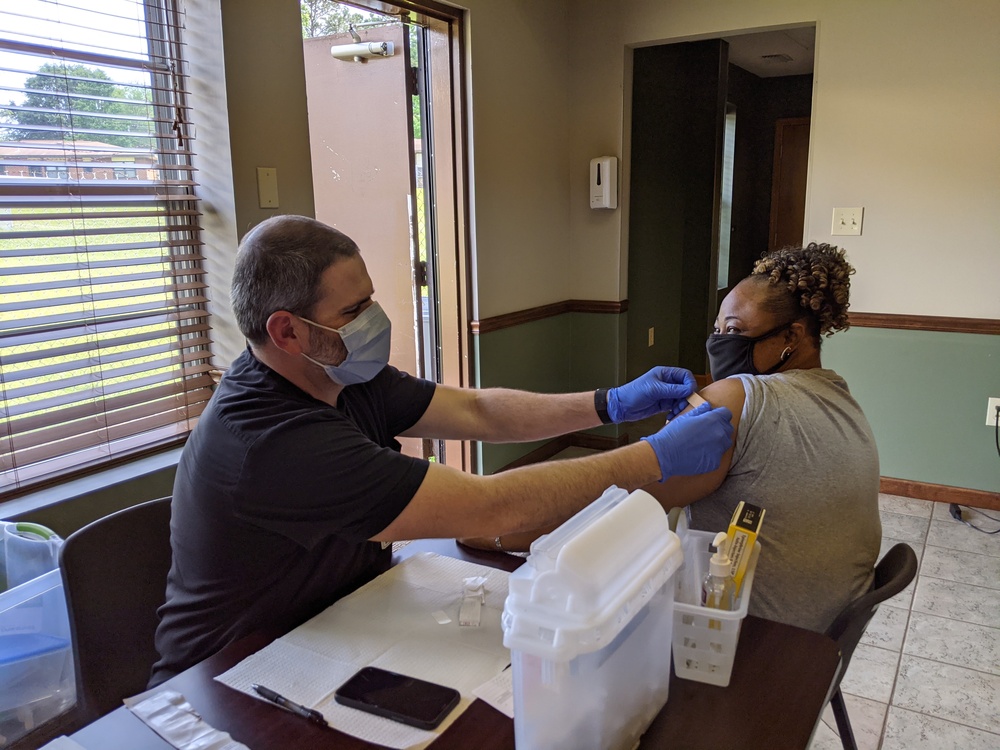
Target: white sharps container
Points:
(588, 620)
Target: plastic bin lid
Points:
(20, 646)
(584, 582)
(43, 584)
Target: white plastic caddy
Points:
(588, 620)
(705, 639)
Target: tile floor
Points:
(926, 675)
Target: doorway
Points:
(387, 164)
(704, 118)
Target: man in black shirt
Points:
(291, 488)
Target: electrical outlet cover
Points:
(991, 411)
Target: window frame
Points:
(97, 432)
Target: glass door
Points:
(382, 126)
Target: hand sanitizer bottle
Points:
(718, 590)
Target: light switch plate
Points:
(267, 187)
(847, 221)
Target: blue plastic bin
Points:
(36, 655)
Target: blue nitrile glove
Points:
(693, 443)
(662, 389)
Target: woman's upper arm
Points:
(728, 393)
(684, 490)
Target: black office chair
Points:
(114, 572)
(893, 574)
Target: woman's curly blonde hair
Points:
(817, 277)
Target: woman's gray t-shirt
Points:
(806, 454)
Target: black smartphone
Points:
(395, 696)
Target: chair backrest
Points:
(114, 572)
(893, 574)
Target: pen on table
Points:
(306, 713)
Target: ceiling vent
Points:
(780, 58)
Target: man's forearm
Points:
(511, 416)
(451, 503)
(561, 488)
(498, 415)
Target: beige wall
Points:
(266, 88)
(518, 98)
(250, 106)
(520, 73)
(906, 116)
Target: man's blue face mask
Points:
(367, 339)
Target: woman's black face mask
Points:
(730, 354)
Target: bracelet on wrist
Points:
(601, 405)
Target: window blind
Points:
(104, 333)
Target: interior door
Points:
(387, 138)
(678, 119)
(788, 182)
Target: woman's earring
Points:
(786, 354)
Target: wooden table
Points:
(780, 684)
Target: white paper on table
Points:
(63, 743)
(393, 622)
(499, 692)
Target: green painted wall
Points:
(925, 394)
(66, 508)
(562, 354)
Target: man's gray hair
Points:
(279, 266)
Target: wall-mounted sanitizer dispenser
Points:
(604, 182)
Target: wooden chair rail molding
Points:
(520, 317)
(860, 319)
(940, 493)
(925, 323)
